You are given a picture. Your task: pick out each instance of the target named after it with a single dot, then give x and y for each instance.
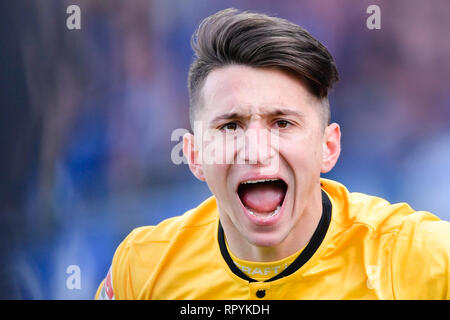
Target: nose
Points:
(258, 146)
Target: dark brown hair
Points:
(258, 40)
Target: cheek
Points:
(216, 178)
(302, 155)
(219, 149)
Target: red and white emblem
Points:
(107, 292)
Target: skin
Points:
(235, 100)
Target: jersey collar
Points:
(307, 253)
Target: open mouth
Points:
(262, 198)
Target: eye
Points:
(231, 126)
(281, 124)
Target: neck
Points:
(296, 239)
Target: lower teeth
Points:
(264, 215)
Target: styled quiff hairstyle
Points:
(258, 40)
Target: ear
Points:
(331, 147)
(191, 153)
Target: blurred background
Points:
(87, 117)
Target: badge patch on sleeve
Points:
(107, 292)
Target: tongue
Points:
(262, 197)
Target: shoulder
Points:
(420, 258)
(168, 229)
(425, 234)
(422, 233)
(376, 214)
(417, 243)
(141, 253)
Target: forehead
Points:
(248, 90)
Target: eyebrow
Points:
(285, 112)
(275, 112)
(227, 116)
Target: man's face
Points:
(268, 181)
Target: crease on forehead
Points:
(243, 108)
(248, 111)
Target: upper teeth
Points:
(258, 181)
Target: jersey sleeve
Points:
(117, 285)
(420, 257)
(99, 289)
(105, 290)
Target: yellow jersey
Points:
(262, 271)
(363, 248)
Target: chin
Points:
(265, 239)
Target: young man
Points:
(274, 229)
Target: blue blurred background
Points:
(87, 118)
